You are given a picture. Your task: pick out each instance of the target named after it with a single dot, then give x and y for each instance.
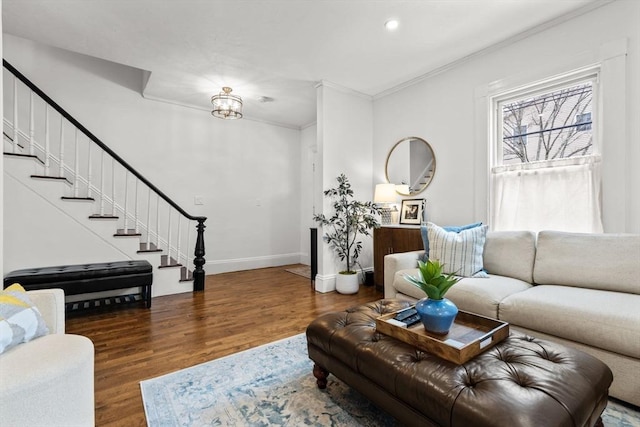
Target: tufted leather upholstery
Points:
(521, 381)
(87, 278)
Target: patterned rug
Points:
(300, 271)
(272, 385)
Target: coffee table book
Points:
(470, 335)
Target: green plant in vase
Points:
(436, 312)
(350, 219)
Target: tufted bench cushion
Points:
(87, 278)
(521, 381)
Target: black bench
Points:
(88, 278)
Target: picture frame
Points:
(412, 211)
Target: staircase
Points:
(52, 158)
(423, 178)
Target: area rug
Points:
(304, 271)
(272, 385)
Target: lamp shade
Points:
(385, 193)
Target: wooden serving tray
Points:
(470, 335)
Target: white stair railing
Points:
(171, 234)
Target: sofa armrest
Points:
(48, 381)
(50, 302)
(395, 262)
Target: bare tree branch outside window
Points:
(550, 126)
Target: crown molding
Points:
(308, 125)
(343, 89)
(494, 47)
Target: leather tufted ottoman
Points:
(521, 381)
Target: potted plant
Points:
(436, 312)
(350, 219)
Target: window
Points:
(545, 171)
(548, 118)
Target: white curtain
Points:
(559, 195)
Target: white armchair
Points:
(48, 381)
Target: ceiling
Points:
(279, 49)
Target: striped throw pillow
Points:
(461, 253)
(20, 320)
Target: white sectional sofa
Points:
(49, 380)
(582, 290)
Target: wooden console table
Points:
(392, 239)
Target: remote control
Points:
(410, 321)
(404, 314)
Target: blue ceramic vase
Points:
(437, 316)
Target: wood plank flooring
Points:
(236, 311)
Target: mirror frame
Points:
(386, 165)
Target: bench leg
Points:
(146, 294)
(321, 375)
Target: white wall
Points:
(345, 126)
(442, 108)
(247, 172)
(32, 242)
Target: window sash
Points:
(554, 84)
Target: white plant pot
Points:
(347, 283)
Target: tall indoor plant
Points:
(350, 219)
(436, 312)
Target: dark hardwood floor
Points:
(236, 311)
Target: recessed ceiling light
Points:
(391, 24)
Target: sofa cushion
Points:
(510, 253)
(598, 261)
(455, 228)
(483, 296)
(477, 295)
(20, 320)
(461, 253)
(602, 319)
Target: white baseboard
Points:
(240, 264)
(325, 283)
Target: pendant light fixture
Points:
(226, 106)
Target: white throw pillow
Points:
(461, 253)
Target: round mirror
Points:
(410, 165)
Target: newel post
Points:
(198, 273)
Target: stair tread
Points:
(48, 177)
(24, 156)
(54, 178)
(96, 216)
(88, 199)
(142, 251)
(169, 265)
(127, 234)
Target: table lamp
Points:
(385, 195)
